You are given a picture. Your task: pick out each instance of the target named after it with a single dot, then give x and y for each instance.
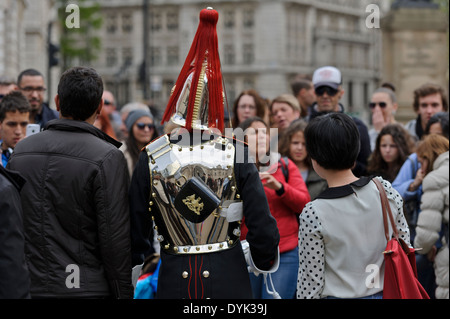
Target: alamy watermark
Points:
(262, 143)
(373, 279)
(73, 279)
(373, 19)
(73, 19)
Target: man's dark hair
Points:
(12, 102)
(428, 89)
(300, 83)
(28, 72)
(442, 119)
(333, 141)
(388, 85)
(80, 92)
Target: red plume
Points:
(203, 48)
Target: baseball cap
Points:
(327, 76)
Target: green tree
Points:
(79, 44)
(443, 4)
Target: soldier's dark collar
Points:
(345, 190)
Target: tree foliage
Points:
(81, 44)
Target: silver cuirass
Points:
(194, 201)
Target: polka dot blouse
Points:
(341, 242)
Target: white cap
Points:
(327, 76)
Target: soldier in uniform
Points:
(194, 186)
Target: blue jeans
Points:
(284, 279)
(425, 272)
(378, 295)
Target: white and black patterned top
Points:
(341, 241)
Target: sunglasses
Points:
(381, 104)
(142, 126)
(322, 89)
(107, 102)
(29, 89)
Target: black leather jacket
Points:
(14, 276)
(76, 214)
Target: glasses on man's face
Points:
(321, 90)
(142, 126)
(107, 102)
(372, 105)
(29, 89)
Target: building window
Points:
(155, 95)
(366, 58)
(111, 23)
(249, 83)
(325, 22)
(111, 57)
(229, 19)
(230, 88)
(127, 56)
(249, 18)
(155, 56)
(155, 21)
(127, 23)
(172, 21)
(229, 57)
(172, 55)
(168, 85)
(249, 56)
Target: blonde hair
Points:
(431, 147)
(286, 98)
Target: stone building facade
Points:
(12, 37)
(263, 45)
(415, 50)
(23, 38)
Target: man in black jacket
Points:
(75, 201)
(14, 276)
(327, 82)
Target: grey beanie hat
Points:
(135, 115)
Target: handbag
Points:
(400, 275)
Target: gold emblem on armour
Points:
(193, 204)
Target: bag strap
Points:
(284, 167)
(413, 172)
(413, 167)
(386, 210)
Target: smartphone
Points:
(33, 129)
